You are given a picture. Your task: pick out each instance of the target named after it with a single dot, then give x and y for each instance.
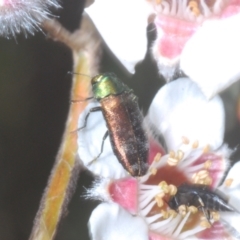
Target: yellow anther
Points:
(228, 182)
(182, 210)
(172, 189)
(206, 149)
(205, 224)
(180, 154)
(215, 216)
(172, 213)
(195, 144)
(164, 186)
(159, 201)
(193, 5)
(208, 181)
(195, 178)
(160, 195)
(192, 209)
(153, 171)
(157, 157)
(158, 1)
(171, 154)
(203, 174)
(165, 214)
(172, 161)
(185, 140)
(207, 164)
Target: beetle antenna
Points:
(82, 74)
(83, 100)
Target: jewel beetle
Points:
(199, 196)
(124, 121)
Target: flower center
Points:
(193, 10)
(195, 167)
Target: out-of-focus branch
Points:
(85, 39)
(85, 44)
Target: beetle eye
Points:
(96, 79)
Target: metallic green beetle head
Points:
(107, 84)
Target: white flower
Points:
(199, 37)
(122, 25)
(196, 155)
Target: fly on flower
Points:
(194, 197)
(124, 122)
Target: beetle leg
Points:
(103, 140)
(95, 109)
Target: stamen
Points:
(171, 154)
(153, 218)
(185, 140)
(195, 144)
(205, 224)
(228, 182)
(205, 9)
(193, 5)
(207, 164)
(202, 177)
(148, 208)
(215, 216)
(172, 213)
(172, 161)
(192, 209)
(180, 155)
(172, 190)
(181, 225)
(206, 149)
(164, 186)
(182, 210)
(158, 1)
(153, 171)
(157, 157)
(165, 214)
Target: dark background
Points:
(34, 101)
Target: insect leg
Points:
(103, 140)
(205, 212)
(95, 109)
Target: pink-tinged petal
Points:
(173, 33)
(231, 9)
(154, 149)
(211, 56)
(181, 110)
(89, 146)
(216, 232)
(156, 236)
(125, 192)
(122, 24)
(109, 221)
(215, 163)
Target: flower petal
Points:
(89, 146)
(231, 186)
(180, 110)
(122, 25)
(211, 56)
(110, 221)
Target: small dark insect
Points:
(124, 122)
(199, 196)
